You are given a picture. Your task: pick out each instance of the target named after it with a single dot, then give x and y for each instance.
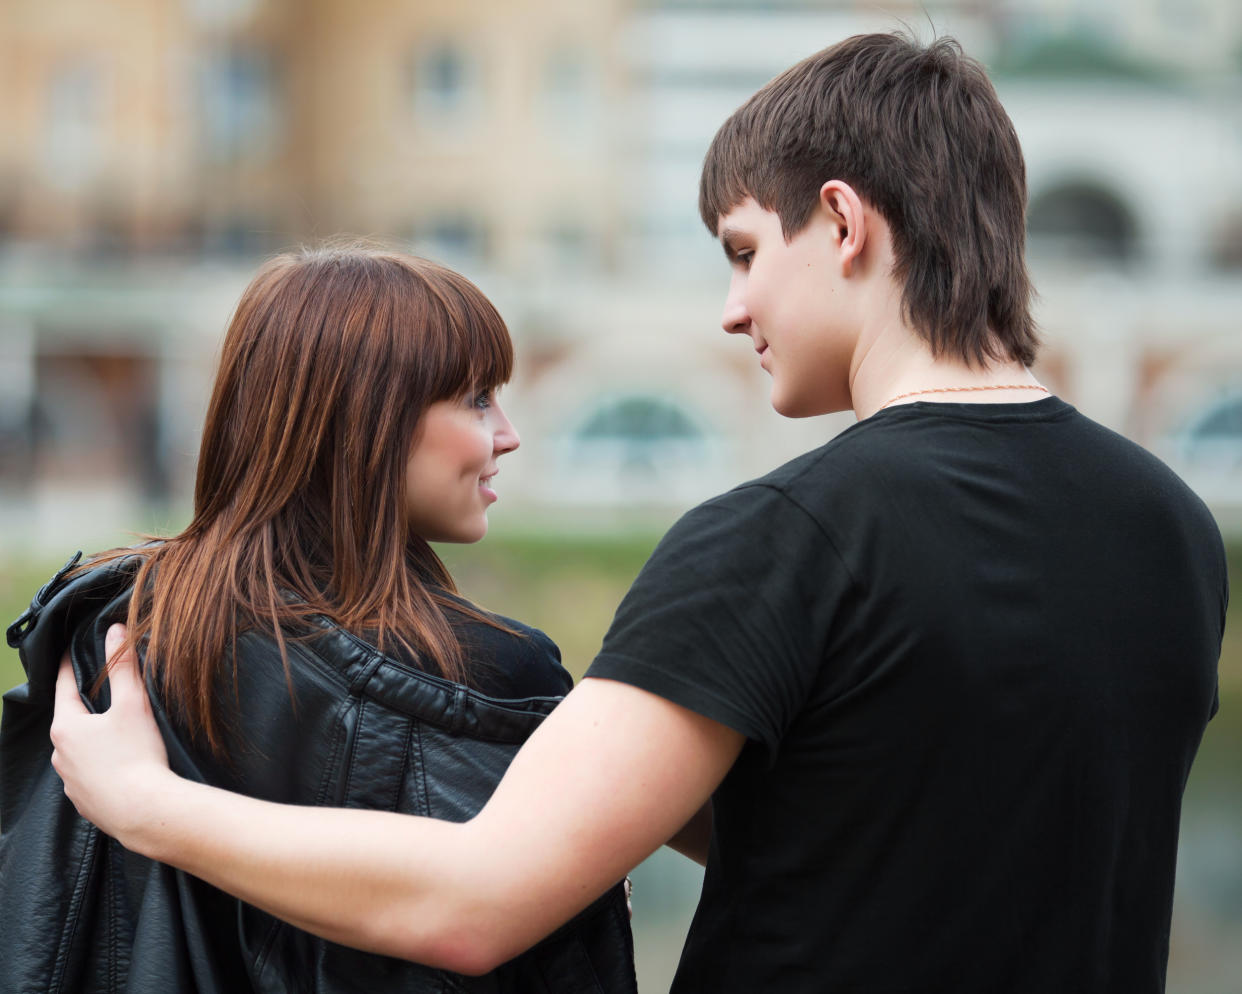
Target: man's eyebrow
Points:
(727, 238)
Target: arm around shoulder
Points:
(611, 775)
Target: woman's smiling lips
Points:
(485, 486)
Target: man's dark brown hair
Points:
(920, 134)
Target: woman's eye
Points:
(482, 400)
(744, 259)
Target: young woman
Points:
(303, 642)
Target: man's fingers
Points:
(124, 680)
(67, 699)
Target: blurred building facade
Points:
(157, 150)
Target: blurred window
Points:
(738, 5)
(637, 449)
(457, 239)
(237, 89)
(1089, 48)
(446, 82)
(1184, 17)
(670, 240)
(639, 435)
(639, 419)
(1226, 248)
(568, 97)
(1082, 221)
(570, 247)
(220, 13)
(242, 237)
(96, 415)
(1214, 438)
(74, 136)
(17, 395)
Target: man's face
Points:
(785, 297)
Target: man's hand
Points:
(109, 762)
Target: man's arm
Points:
(694, 838)
(607, 778)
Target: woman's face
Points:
(448, 480)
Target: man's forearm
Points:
(378, 881)
(608, 777)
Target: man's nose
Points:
(736, 318)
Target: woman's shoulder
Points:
(506, 658)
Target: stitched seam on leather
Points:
(89, 853)
(110, 895)
(422, 766)
(405, 768)
(265, 947)
(367, 673)
(332, 772)
(457, 717)
(348, 786)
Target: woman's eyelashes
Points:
(481, 400)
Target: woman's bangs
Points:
(489, 350)
(479, 337)
(458, 340)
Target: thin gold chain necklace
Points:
(993, 386)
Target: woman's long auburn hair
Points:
(328, 365)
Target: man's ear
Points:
(845, 213)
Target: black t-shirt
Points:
(974, 648)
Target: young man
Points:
(941, 678)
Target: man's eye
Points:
(744, 259)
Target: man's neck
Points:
(896, 366)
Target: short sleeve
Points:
(731, 616)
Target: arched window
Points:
(1082, 220)
(640, 430)
(1214, 438)
(638, 448)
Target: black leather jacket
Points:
(78, 913)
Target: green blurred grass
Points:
(567, 587)
(18, 583)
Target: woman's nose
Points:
(505, 439)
